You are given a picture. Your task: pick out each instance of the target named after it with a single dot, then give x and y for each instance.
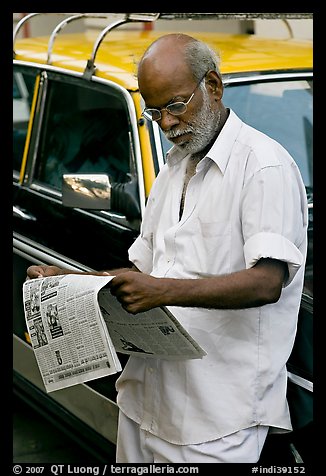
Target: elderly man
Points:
(223, 245)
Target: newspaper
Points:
(77, 327)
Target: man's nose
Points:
(168, 120)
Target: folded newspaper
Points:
(77, 327)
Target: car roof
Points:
(120, 51)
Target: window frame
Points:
(48, 72)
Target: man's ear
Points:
(214, 84)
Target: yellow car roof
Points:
(120, 51)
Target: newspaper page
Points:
(70, 342)
(154, 333)
(77, 327)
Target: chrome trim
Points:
(110, 216)
(301, 382)
(264, 77)
(53, 195)
(39, 254)
(158, 144)
(19, 25)
(20, 213)
(296, 454)
(240, 16)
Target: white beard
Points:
(203, 128)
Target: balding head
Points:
(166, 57)
(176, 52)
(170, 46)
(171, 40)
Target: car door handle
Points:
(19, 213)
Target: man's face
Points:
(165, 82)
(197, 132)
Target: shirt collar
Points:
(222, 147)
(220, 150)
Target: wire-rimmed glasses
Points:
(175, 108)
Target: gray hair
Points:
(201, 58)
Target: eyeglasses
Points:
(175, 108)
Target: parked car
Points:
(77, 110)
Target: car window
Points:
(22, 95)
(83, 131)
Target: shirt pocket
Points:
(214, 243)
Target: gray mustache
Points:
(177, 133)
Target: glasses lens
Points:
(176, 108)
(152, 114)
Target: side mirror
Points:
(96, 192)
(90, 191)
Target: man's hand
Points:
(137, 292)
(40, 271)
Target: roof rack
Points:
(236, 16)
(127, 18)
(90, 66)
(216, 16)
(143, 17)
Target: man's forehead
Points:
(166, 52)
(162, 88)
(164, 71)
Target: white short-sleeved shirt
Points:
(246, 201)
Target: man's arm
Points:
(259, 285)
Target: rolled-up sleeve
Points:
(271, 245)
(274, 215)
(141, 255)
